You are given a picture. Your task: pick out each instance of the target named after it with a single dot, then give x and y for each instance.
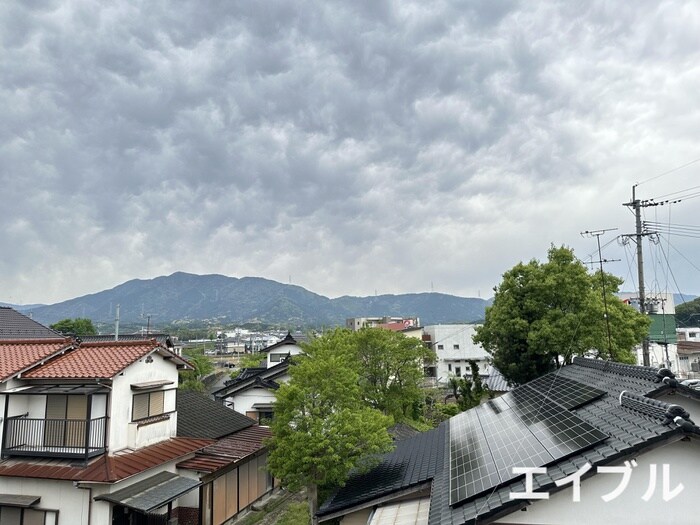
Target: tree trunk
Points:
(312, 496)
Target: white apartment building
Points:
(454, 348)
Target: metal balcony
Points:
(54, 438)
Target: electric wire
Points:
(672, 170)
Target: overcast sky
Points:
(351, 148)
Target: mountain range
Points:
(185, 297)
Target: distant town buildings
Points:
(357, 323)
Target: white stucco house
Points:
(82, 422)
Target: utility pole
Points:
(637, 205)
(597, 234)
(116, 325)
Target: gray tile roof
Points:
(14, 325)
(632, 426)
(495, 381)
(201, 417)
(253, 377)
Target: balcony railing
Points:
(55, 438)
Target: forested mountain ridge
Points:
(189, 297)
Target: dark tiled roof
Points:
(260, 378)
(163, 339)
(401, 431)
(633, 425)
(14, 325)
(413, 462)
(288, 340)
(201, 417)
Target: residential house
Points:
(89, 433)
(594, 438)
(689, 352)
(231, 470)
(454, 349)
(252, 393)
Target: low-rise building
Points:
(454, 349)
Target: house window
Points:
(277, 358)
(449, 368)
(440, 347)
(26, 516)
(65, 421)
(455, 347)
(692, 335)
(458, 370)
(148, 405)
(265, 417)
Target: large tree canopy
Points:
(546, 312)
(322, 427)
(390, 368)
(78, 326)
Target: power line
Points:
(669, 171)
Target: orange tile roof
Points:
(94, 360)
(19, 355)
(106, 469)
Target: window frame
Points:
(149, 405)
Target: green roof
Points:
(663, 328)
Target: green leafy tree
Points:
(543, 313)
(688, 314)
(193, 379)
(390, 367)
(322, 428)
(77, 326)
(248, 361)
(468, 391)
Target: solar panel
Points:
(569, 393)
(523, 428)
(472, 468)
(511, 443)
(561, 432)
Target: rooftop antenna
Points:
(597, 234)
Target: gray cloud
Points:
(354, 146)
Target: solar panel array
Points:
(522, 428)
(567, 392)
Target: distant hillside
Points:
(222, 299)
(21, 307)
